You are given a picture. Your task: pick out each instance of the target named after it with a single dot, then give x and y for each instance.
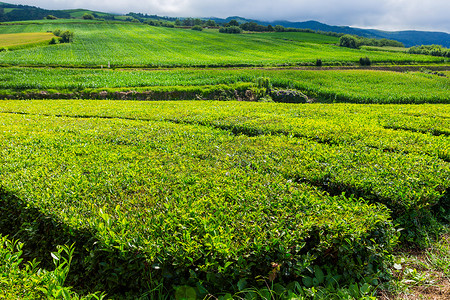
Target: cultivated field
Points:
(137, 45)
(15, 40)
(303, 189)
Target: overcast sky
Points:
(430, 15)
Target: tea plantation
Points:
(260, 176)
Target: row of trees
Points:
(352, 41)
(434, 50)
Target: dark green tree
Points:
(233, 23)
(210, 23)
(67, 36)
(348, 41)
(279, 28)
(87, 16)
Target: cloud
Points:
(383, 14)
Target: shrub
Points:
(197, 28)
(51, 17)
(279, 28)
(66, 37)
(3, 49)
(54, 41)
(231, 29)
(88, 17)
(365, 61)
(318, 62)
(263, 82)
(210, 23)
(233, 23)
(348, 41)
(57, 32)
(26, 281)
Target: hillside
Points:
(128, 44)
(12, 12)
(409, 38)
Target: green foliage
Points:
(252, 26)
(189, 189)
(358, 86)
(230, 29)
(349, 41)
(87, 16)
(352, 41)
(365, 61)
(20, 280)
(51, 17)
(244, 196)
(434, 50)
(279, 28)
(66, 37)
(233, 23)
(54, 41)
(197, 28)
(263, 82)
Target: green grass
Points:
(124, 44)
(305, 37)
(387, 49)
(79, 13)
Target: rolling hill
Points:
(12, 12)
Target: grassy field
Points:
(138, 45)
(13, 40)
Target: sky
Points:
(431, 15)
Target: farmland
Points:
(359, 86)
(97, 43)
(302, 189)
(18, 40)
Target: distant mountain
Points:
(409, 38)
(12, 12)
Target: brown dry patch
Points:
(435, 284)
(438, 291)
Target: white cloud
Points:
(383, 14)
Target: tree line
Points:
(352, 41)
(434, 50)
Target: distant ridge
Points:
(12, 12)
(408, 37)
